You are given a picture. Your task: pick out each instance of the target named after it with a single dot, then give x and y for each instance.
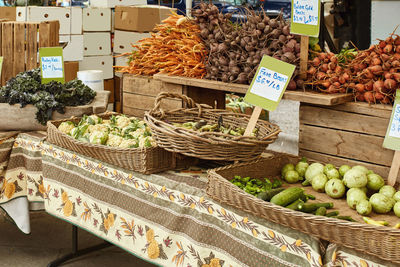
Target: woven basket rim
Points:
(50, 124)
(213, 173)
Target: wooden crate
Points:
(350, 133)
(20, 42)
(139, 94)
(109, 86)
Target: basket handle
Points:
(186, 100)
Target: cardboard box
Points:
(104, 63)
(123, 40)
(71, 69)
(109, 86)
(8, 13)
(140, 18)
(113, 3)
(96, 43)
(120, 61)
(96, 19)
(74, 49)
(70, 21)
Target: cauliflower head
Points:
(114, 140)
(97, 127)
(147, 141)
(122, 121)
(66, 127)
(129, 143)
(98, 137)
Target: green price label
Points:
(305, 17)
(269, 83)
(51, 64)
(392, 138)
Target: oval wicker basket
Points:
(144, 160)
(207, 145)
(382, 242)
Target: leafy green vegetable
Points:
(26, 88)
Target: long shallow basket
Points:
(144, 160)
(382, 242)
(207, 145)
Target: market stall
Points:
(185, 176)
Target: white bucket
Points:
(92, 78)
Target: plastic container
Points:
(92, 78)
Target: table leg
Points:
(75, 252)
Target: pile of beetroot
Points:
(373, 75)
(235, 50)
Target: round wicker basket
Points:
(207, 145)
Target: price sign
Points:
(269, 83)
(305, 17)
(51, 64)
(392, 138)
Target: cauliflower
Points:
(122, 121)
(138, 133)
(95, 118)
(127, 143)
(106, 122)
(98, 137)
(97, 127)
(147, 141)
(66, 127)
(114, 140)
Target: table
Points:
(166, 218)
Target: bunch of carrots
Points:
(175, 49)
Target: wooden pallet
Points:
(304, 97)
(350, 133)
(20, 43)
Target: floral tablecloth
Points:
(165, 218)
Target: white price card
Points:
(305, 12)
(269, 84)
(395, 126)
(52, 67)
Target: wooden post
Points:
(253, 121)
(394, 169)
(303, 56)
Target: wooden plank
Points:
(1, 37)
(19, 48)
(230, 87)
(302, 96)
(148, 86)
(330, 118)
(253, 121)
(109, 86)
(44, 34)
(378, 110)
(394, 169)
(317, 98)
(338, 161)
(345, 144)
(136, 112)
(7, 51)
(54, 32)
(303, 56)
(32, 46)
(147, 102)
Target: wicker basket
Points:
(144, 160)
(207, 145)
(382, 242)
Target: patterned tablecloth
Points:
(165, 218)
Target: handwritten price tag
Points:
(305, 17)
(305, 12)
(52, 67)
(51, 64)
(392, 138)
(269, 83)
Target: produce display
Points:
(372, 75)
(26, 88)
(119, 131)
(235, 50)
(175, 48)
(364, 191)
(204, 126)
